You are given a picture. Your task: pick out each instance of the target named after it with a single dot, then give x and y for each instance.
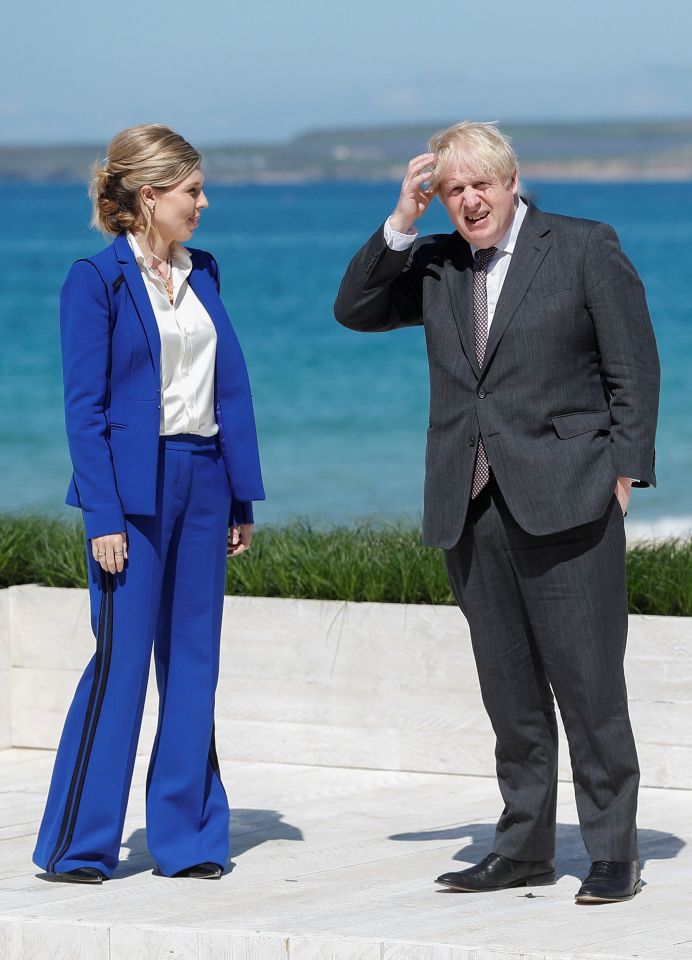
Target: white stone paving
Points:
(337, 864)
(359, 762)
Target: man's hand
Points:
(239, 539)
(623, 490)
(413, 200)
(110, 551)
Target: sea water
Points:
(341, 416)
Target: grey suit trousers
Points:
(548, 616)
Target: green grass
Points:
(659, 578)
(45, 550)
(375, 562)
(366, 562)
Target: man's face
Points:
(480, 208)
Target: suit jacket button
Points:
(482, 394)
(472, 441)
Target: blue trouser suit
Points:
(169, 595)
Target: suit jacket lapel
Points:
(531, 247)
(140, 298)
(459, 275)
(203, 284)
(232, 385)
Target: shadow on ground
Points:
(571, 860)
(249, 828)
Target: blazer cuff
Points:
(644, 478)
(241, 512)
(99, 523)
(635, 464)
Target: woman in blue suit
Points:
(164, 450)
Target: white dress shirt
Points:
(188, 348)
(498, 265)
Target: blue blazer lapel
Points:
(204, 286)
(140, 298)
(229, 356)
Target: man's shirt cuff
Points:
(398, 241)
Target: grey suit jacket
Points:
(567, 397)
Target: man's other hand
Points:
(623, 489)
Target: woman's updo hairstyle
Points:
(151, 154)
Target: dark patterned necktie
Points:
(481, 259)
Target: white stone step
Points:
(358, 685)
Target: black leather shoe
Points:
(201, 871)
(81, 875)
(610, 881)
(500, 873)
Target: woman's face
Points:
(177, 209)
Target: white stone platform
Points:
(359, 764)
(337, 864)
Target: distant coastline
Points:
(622, 151)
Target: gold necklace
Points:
(168, 278)
(168, 282)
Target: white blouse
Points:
(188, 348)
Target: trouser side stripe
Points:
(213, 755)
(104, 641)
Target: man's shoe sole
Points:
(592, 898)
(540, 880)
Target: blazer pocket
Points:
(117, 426)
(569, 425)
(541, 294)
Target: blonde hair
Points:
(150, 154)
(476, 147)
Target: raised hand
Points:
(414, 199)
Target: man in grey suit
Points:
(544, 385)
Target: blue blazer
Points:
(111, 354)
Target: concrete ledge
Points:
(5, 672)
(381, 686)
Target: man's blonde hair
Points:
(476, 147)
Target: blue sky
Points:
(264, 70)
